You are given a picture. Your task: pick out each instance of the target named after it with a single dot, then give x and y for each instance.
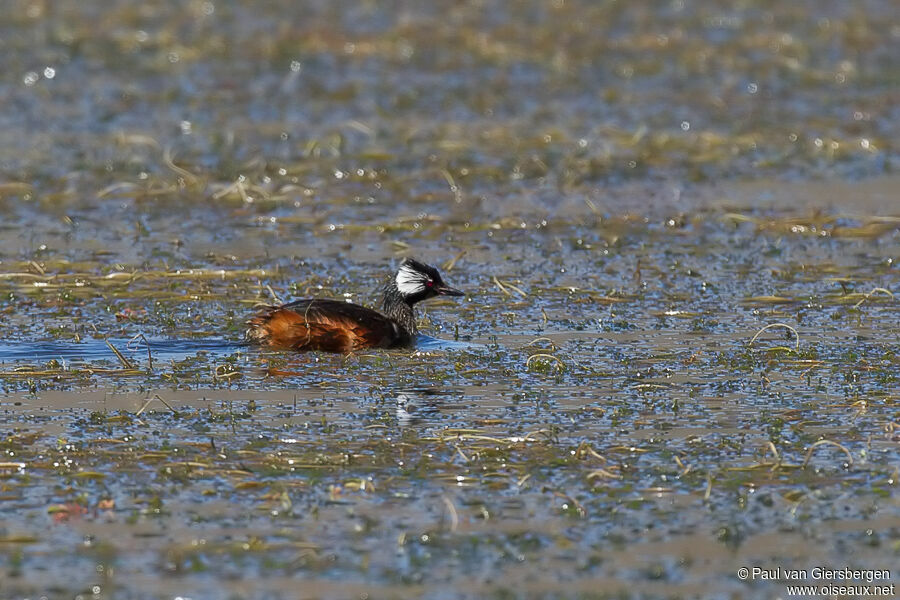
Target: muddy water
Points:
(628, 196)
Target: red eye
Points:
(429, 283)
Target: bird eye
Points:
(429, 283)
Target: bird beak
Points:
(449, 291)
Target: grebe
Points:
(336, 326)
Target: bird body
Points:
(336, 326)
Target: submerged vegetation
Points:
(677, 355)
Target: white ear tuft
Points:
(409, 281)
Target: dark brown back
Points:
(329, 325)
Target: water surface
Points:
(628, 194)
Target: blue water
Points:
(426, 342)
(162, 349)
(93, 349)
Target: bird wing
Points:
(328, 325)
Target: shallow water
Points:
(136, 349)
(94, 350)
(628, 195)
